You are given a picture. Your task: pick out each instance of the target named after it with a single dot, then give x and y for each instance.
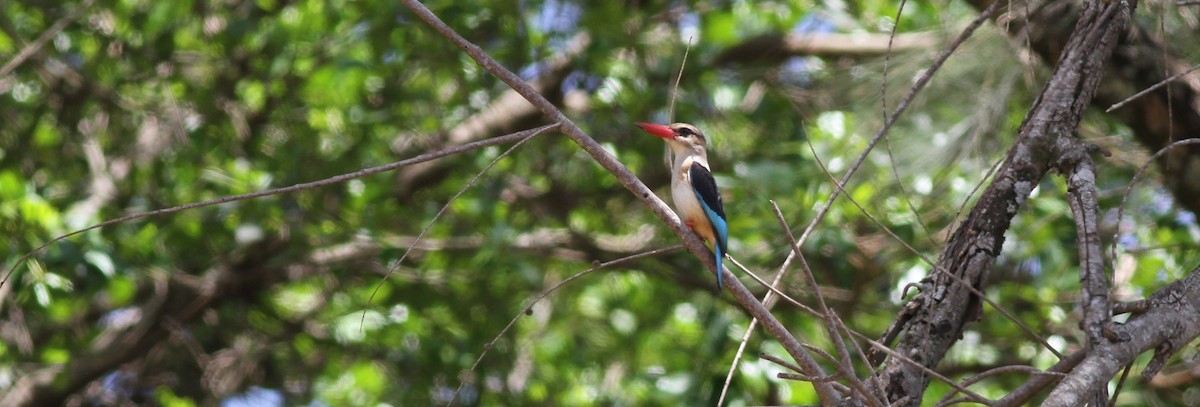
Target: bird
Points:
(693, 188)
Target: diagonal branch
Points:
(283, 190)
(1172, 322)
(643, 193)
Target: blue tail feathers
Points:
(720, 256)
(721, 229)
(705, 188)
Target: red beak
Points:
(658, 130)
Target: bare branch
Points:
(1081, 196)
(1021, 395)
(946, 309)
(643, 193)
(1093, 281)
(439, 213)
(1160, 84)
(289, 189)
(1172, 322)
(528, 310)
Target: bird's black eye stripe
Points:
(684, 132)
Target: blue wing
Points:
(705, 187)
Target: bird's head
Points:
(681, 136)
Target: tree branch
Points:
(634, 185)
(1093, 281)
(1141, 61)
(946, 306)
(1172, 322)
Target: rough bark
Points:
(1141, 60)
(1172, 322)
(1076, 165)
(945, 305)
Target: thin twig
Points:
(887, 125)
(737, 358)
(803, 378)
(1137, 177)
(978, 185)
(780, 362)
(1025, 328)
(527, 309)
(439, 213)
(874, 378)
(887, 59)
(678, 78)
(947, 399)
(1160, 84)
(774, 290)
(627, 179)
(1021, 395)
(293, 188)
(887, 141)
(932, 373)
(844, 366)
(1120, 384)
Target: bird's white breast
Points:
(684, 197)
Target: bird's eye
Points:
(685, 132)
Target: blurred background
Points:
(116, 107)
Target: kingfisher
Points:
(693, 188)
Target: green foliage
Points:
(141, 105)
